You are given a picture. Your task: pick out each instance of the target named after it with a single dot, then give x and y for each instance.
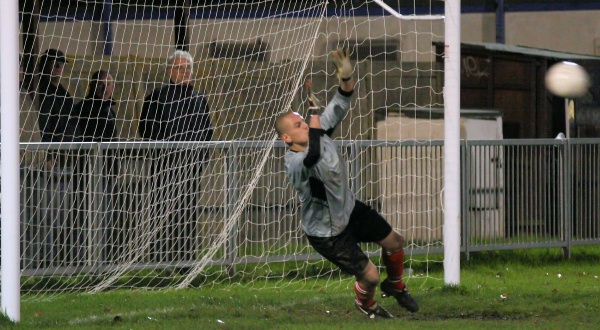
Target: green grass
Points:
(498, 290)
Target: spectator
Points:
(97, 123)
(66, 181)
(177, 112)
(96, 118)
(56, 103)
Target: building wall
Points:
(554, 30)
(567, 31)
(140, 47)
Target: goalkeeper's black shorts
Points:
(365, 225)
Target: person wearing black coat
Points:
(97, 121)
(175, 111)
(55, 120)
(64, 179)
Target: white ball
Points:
(567, 79)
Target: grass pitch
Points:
(531, 289)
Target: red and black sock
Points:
(394, 265)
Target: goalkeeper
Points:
(332, 219)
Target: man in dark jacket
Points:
(58, 124)
(97, 120)
(56, 103)
(176, 112)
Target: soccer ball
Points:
(567, 79)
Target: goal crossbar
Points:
(408, 17)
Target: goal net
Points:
(144, 168)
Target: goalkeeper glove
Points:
(314, 105)
(341, 60)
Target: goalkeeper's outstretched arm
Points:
(338, 106)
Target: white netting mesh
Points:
(104, 207)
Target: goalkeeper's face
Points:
(295, 132)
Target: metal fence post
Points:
(95, 208)
(231, 182)
(568, 197)
(355, 165)
(465, 197)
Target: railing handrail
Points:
(278, 144)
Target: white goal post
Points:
(451, 133)
(9, 170)
(145, 155)
(452, 195)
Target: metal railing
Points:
(84, 204)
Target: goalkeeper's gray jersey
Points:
(327, 200)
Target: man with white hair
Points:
(176, 112)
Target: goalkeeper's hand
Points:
(341, 60)
(314, 105)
